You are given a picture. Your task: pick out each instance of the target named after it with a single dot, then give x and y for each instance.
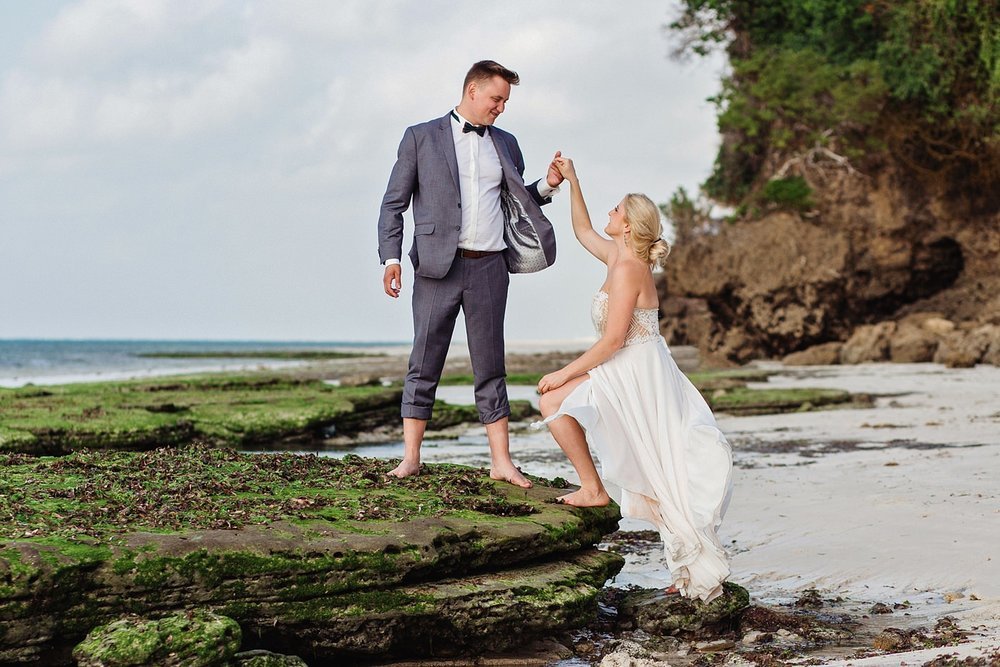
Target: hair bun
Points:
(658, 251)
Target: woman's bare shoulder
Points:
(627, 271)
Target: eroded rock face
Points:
(487, 612)
(878, 248)
(968, 346)
(824, 354)
(760, 285)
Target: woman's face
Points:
(616, 220)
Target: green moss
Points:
(261, 354)
(731, 377)
(742, 400)
(234, 410)
(196, 639)
(99, 493)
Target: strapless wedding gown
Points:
(658, 443)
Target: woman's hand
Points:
(565, 167)
(553, 381)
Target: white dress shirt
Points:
(479, 176)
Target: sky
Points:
(213, 169)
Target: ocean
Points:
(28, 361)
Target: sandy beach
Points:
(904, 506)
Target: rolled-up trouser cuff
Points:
(496, 415)
(415, 412)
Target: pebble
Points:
(715, 645)
(752, 637)
(622, 659)
(880, 608)
(887, 641)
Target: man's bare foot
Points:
(510, 474)
(586, 498)
(404, 469)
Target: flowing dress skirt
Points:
(658, 443)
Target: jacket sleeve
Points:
(519, 163)
(398, 193)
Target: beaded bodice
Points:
(642, 328)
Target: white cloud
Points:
(52, 113)
(239, 83)
(93, 32)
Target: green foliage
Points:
(837, 72)
(784, 100)
(791, 193)
(937, 54)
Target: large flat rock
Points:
(315, 569)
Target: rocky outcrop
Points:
(480, 572)
(877, 247)
(824, 354)
(663, 615)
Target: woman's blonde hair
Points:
(645, 239)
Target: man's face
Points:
(487, 100)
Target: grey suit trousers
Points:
(479, 288)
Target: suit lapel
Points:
(448, 148)
(501, 148)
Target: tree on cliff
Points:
(842, 81)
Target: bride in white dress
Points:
(654, 434)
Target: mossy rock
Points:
(192, 639)
(660, 614)
(311, 529)
(475, 614)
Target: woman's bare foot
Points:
(404, 469)
(586, 498)
(510, 474)
(671, 590)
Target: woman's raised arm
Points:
(596, 245)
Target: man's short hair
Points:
(485, 70)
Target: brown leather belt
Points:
(475, 254)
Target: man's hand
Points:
(392, 281)
(554, 177)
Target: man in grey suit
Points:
(452, 169)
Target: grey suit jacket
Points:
(426, 171)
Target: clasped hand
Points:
(552, 381)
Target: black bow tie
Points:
(478, 129)
(469, 127)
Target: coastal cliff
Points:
(860, 158)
